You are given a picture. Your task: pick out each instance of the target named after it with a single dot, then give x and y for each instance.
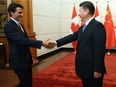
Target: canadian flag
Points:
(74, 25)
(96, 14)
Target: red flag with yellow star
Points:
(109, 26)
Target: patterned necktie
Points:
(84, 27)
(19, 24)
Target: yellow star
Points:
(107, 12)
(108, 21)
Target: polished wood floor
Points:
(9, 79)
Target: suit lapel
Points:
(25, 31)
(80, 34)
(88, 27)
(17, 27)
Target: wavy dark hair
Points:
(12, 7)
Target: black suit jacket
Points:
(90, 50)
(19, 56)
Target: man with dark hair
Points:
(90, 52)
(12, 7)
(20, 58)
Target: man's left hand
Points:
(97, 75)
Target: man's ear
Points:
(87, 10)
(11, 13)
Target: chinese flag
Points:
(96, 14)
(109, 26)
(74, 25)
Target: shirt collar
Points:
(89, 21)
(14, 20)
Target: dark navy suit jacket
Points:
(19, 56)
(90, 49)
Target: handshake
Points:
(49, 44)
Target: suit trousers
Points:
(25, 77)
(92, 82)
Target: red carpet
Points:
(62, 73)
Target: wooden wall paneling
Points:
(28, 23)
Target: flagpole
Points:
(74, 49)
(107, 1)
(108, 49)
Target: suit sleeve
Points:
(13, 35)
(67, 39)
(99, 40)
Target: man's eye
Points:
(19, 12)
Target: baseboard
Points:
(111, 50)
(53, 53)
(65, 49)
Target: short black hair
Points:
(12, 7)
(88, 5)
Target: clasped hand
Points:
(49, 44)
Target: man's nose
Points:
(22, 14)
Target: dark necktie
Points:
(19, 24)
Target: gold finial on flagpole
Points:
(96, 3)
(107, 2)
